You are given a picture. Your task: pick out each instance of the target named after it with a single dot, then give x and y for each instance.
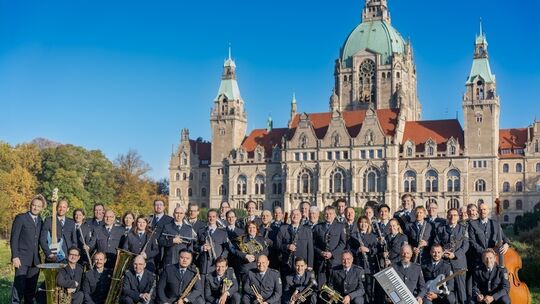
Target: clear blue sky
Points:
(120, 75)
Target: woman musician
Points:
(363, 244)
(394, 240)
(249, 247)
(85, 237)
(142, 241)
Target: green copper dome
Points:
(376, 35)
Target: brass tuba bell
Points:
(123, 260)
(54, 294)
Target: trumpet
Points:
(332, 296)
(302, 296)
(258, 297)
(184, 239)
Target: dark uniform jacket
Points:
(413, 277)
(65, 233)
(132, 287)
(332, 239)
(436, 222)
(456, 240)
(213, 286)
(394, 246)
(196, 225)
(245, 266)
(220, 242)
(86, 233)
(108, 241)
(268, 285)
(135, 243)
(484, 236)
(405, 218)
(414, 231)
(384, 228)
(171, 285)
(96, 286)
(304, 244)
(347, 283)
(370, 241)
(431, 272)
(350, 229)
(166, 242)
(494, 283)
(159, 224)
(67, 277)
(295, 282)
(24, 239)
(241, 223)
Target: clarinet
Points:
(292, 256)
(420, 237)
(382, 241)
(364, 255)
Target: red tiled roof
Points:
(201, 148)
(512, 138)
(264, 138)
(438, 130)
(353, 121)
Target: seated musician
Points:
(433, 268)
(221, 286)
(140, 238)
(295, 241)
(411, 274)
(395, 239)
(490, 281)
(97, 281)
(347, 278)
(175, 237)
(70, 277)
(180, 283)
(247, 259)
(138, 285)
(298, 282)
(263, 284)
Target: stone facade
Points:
(371, 147)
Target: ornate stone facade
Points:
(371, 147)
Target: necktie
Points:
(62, 222)
(182, 274)
(140, 234)
(179, 227)
(210, 232)
(295, 229)
(139, 277)
(108, 230)
(35, 220)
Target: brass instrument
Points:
(123, 260)
(225, 286)
(190, 286)
(258, 297)
(52, 291)
(332, 296)
(302, 296)
(182, 238)
(210, 241)
(250, 247)
(420, 237)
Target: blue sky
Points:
(120, 75)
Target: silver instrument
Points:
(210, 241)
(394, 287)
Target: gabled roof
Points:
(263, 138)
(439, 130)
(202, 149)
(510, 139)
(353, 121)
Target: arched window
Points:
(453, 182)
(276, 184)
(337, 181)
(505, 218)
(184, 176)
(452, 150)
(430, 151)
(506, 187)
(409, 151)
(432, 181)
(222, 190)
(178, 192)
(203, 176)
(304, 181)
(373, 180)
(259, 184)
(519, 167)
(453, 203)
(241, 185)
(184, 160)
(519, 204)
(190, 192)
(203, 192)
(506, 168)
(537, 167)
(480, 185)
(177, 176)
(409, 181)
(506, 204)
(519, 187)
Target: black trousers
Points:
(24, 285)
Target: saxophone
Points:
(190, 286)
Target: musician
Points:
(351, 226)
(295, 241)
(433, 215)
(364, 242)
(139, 239)
(265, 228)
(65, 231)
(85, 236)
(490, 281)
(193, 218)
(298, 281)
(384, 219)
(454, 239)
(248, 260)
(221, 286)
(472, 212)
(99, 213)
(347, 278)
(278, 217)
(328, 243)
(175, 278)
(269, 232)
(176, 236)
(251, 207)
(24, 241)
(341, 205)
(127, 221)
(109, 237)
(395, 239)
(138, 285)
(463, 216)
(420, 234)
(159, 219)
(264, 281)
(314, 214)
(431, 269)
(411, 273)
(233, 233)
(224, 207)
(369, 212)
(305, 210)
(406, 214)
(97, 281)
(70, 277)
(213, 243)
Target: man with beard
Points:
(97, 281)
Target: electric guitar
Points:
(438, 285)
(55, 245)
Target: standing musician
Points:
(490, 281)
(143, 242)
(341, 205)
(433, 215)
(176, 236)
(295, 241)
(298, 282)
(472, 212)
(395, 239)
(213, 243)
(108, 238)
(233, 232)
(251, 207)
(180, 283)
(433, 268)
(363, 245)
(420, 234)
(384, 219)
(314, 214)
(411, 274)
(269, 232)
(99, 213)
(248, 260)
(406, 214)
(159, 219)
(97, 281)
(347, 278)
(193, 218)
(262, 284)
(139, 283)
(328, 242)
(85, 236)
(351, 226)
(454, 239)
(463, 216)
(221, 286)
(65, 231)
(24, 241)
(279, 217)
(224, 207)
(70, 277)
(369, 212)
(127, 221)
(305, 210)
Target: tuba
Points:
(123, 259)
(332, 296)
(54, 294)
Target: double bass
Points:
(511, 261)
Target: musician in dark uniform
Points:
(304, 209)
(65, 231)
(193, 218)
(420, 234)
(340, 205)
(347, 278)
(297, 282)
(433, 215)
(109, 237)
(264, 281)
(251, 207)
(224, 207)
(220, 280)
(24, 243)
(212, 244)
(364, 246)
(395, 239)
(279, 217)
(159, 219)
(176, 278)
(350, 224)
(384, 219)
(454, 239)
(295, 241)
(99, 213)
(85, 236)
(270, 232)
(139, 283)
(140, 238)
(490, 281)
(328, 243)
(314, 214)
(97, 281)
(233, 232)
(432, 269)
(406, 214)
(248, 260)
(70, 277)
(411, 274)
(176, 236)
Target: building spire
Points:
(480, 66)
(230, 57)
(481, 32)
(375, 10)
(269, 123)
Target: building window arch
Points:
(373, 180)
(409, 151)
(432, 181)
(454, 180)
(453, 150)
(506, 204)
(337, 181)
(453, 203)
(304, 182)
(519, 167)
(184, 176)
(241, 185)
(409, 181)
(203, 176)
(506, 187)
(222, 190)
(177, 192)
(203, 192)
(177, 176)
(259, 184)
(190, 192)
(519, 204)
(276, 204)
(430, 151)
(506, 168)
(480, 185)
(519, 186)
(276, 184)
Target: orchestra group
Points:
(273, 258)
